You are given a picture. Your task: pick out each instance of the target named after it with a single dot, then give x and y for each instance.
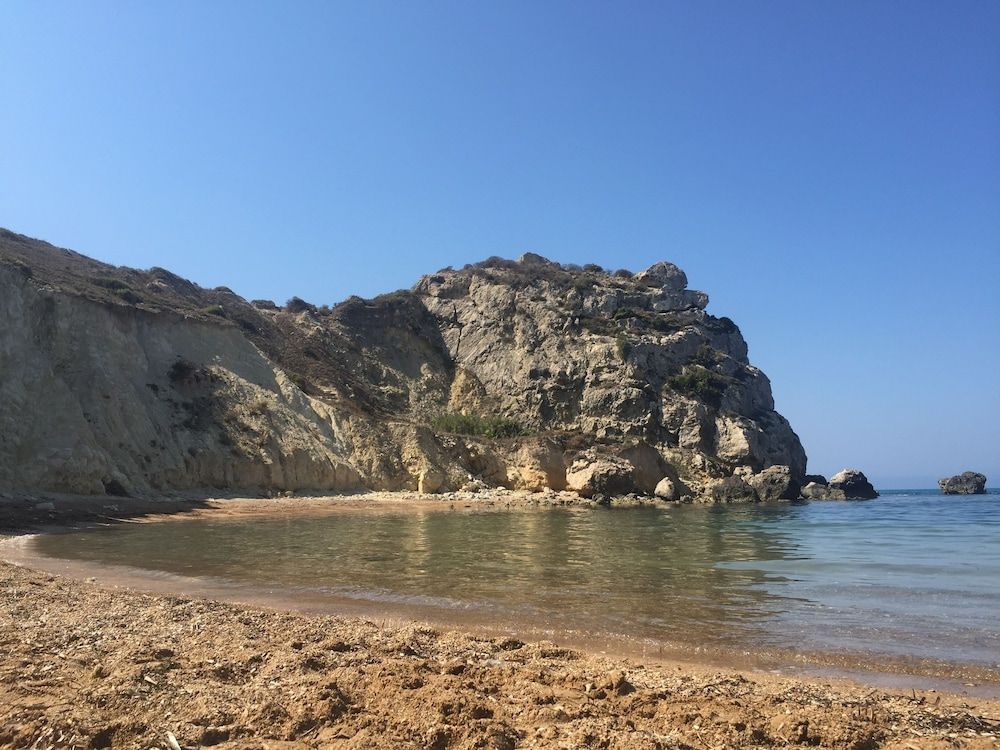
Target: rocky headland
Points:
(966, 483)
(526, 375)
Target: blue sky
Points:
(828, 172)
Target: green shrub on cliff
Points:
(490, 426)
(109, 283)
(19, 265)
(623, 346)
(699, 383)
(706, 356)
(128, 295)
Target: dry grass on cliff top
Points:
(86, 667)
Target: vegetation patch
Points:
(297, 305)
(109, 283)
(706, 356)
(127, 295)
(22, 267)
(624, 347)
(490, 426)
(624, 313)
(607, 325)
(182, 370)
(698, 382)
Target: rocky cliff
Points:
(525, 374)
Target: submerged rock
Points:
(966, 483)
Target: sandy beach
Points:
(87, 665)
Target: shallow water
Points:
(912, 575)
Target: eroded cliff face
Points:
(115, 379)
(97, 398)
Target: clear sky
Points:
(829, 172)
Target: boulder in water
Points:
(966, 483)
(854, 484)
(817, 491)
(849, 484)
(734, 490)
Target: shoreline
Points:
(898, 673)
(50, 615)
(38, 513)
(967, 678)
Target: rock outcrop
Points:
(966, 483)
(734, 489)
(525, 374)
(775, 483)
(854, 484)
(848, 484)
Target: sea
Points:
(907, 582)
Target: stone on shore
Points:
(666, 489)
(966, 483)
(597, 474)
(430, 481)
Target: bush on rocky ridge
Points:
(490, 426)
(700, 383)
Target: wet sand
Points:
(87, 664)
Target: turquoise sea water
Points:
(911, 575)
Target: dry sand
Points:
(86, 666)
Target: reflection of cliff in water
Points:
(910, 575)
(647, 573)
